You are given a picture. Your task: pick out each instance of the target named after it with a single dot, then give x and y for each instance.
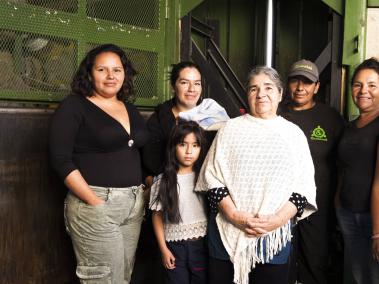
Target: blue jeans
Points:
(191, 261)
(357, 230)
(105, 236)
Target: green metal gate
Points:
(42, 42)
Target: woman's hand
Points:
(266, 223)
(242, 221)
(95, 201)
(375, 249)
(256, 226)
(168, 259)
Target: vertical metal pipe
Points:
(269, 32)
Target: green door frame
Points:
(355, 26)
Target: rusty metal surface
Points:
(34, 247)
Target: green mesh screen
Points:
(146, 64)
(33, 62)
(43, 41)
(141, 13)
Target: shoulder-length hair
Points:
(82, 82)
(168, 188)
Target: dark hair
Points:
(176, 68)
(81, 83)
(168, 192)
(371, 63)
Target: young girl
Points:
(179, 216)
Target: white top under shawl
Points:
(261, 162)
(191, 208)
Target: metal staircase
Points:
(221, 83)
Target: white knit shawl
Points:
(261, 162)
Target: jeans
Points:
(191, 261)
(357, 229)
(105, 236)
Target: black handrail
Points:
(232, 106)
(215, 65)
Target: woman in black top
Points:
(185, 80)
(357, 152)
(95, 137)
(186, 83)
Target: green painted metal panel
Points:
(336, 5)
(354, 43)
(44, 41)
(187, 5)
(240, 42)
(373, 3)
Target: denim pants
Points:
(191, 261)
(105, 236)
(357, 230)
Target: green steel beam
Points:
(187, 5)
(39, 20)
(354, 44)
(336, 5)
(36, 96)
(373, 3)
(171, 52)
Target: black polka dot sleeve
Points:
(300, 202)
(215, 195)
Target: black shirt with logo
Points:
(323, 126)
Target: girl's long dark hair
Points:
(168, 188)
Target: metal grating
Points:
(70, 6)
(140, 13)
(146, 64)
(32, 62)
(42, 42)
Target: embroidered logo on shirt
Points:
(319, 134)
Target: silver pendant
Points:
(130, 143)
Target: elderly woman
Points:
(95, 138)
(357, 152)
(259, 174)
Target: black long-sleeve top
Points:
(83, 137)
(160, 125)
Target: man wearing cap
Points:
(322, 125)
